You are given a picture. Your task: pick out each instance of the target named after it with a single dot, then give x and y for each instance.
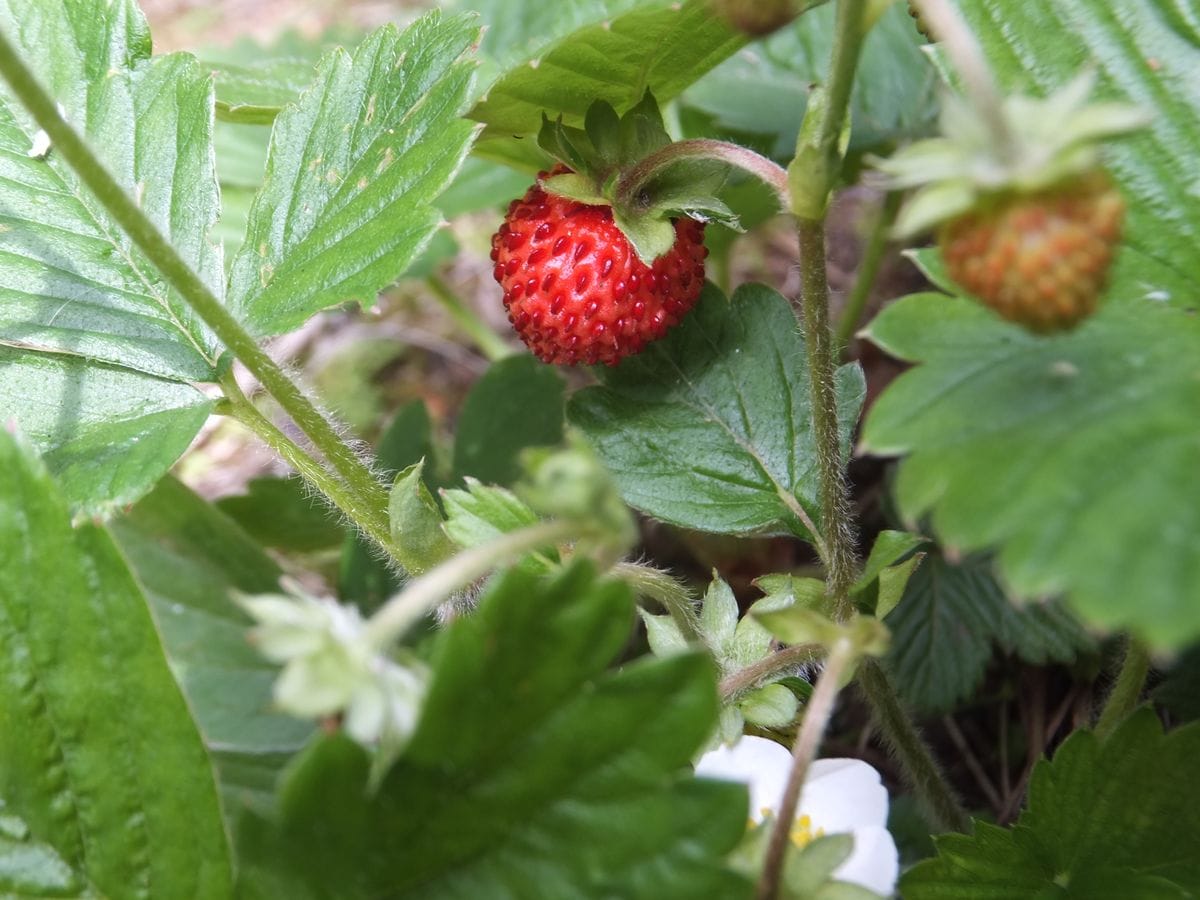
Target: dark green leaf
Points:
(567, 783)
(353, 171)
(1074, 453)
(98, 751)
(69, 280)
(1112, 820)
(710, 428)
(1143, 53)
(518, 403)
(657, 46)
(763, 90)
(107, 434)
(944, 629)
(283, 514)
(190, 559)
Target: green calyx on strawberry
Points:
(1027, 220)
(605, 253)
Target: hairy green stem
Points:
(868, 267)
(782, 660)
(1127, 690)
(665, 590)
(75, 152)
(770, 173)
(347, 501)
(942, 807)
(817, 713)
(423, 594)
(489, 343)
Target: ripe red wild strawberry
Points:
(1038, 259)
(575, 290)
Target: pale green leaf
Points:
(1073, 454)
(30, 869)
(98, 751)
(254, 92)
(416, 523)
(710, 428)
(70, 281)
(107, 434)
(658, 46)
(354, 167)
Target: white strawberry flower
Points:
(840, 796)
(330, 666)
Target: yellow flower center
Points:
(803, 832)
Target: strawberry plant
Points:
(820, 524)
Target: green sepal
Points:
(772, 706)
(649, 237)
(416, 522)
(603, 127)
(642, 131)
(570, 146)
(575, 187)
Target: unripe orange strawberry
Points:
(1027, 220)
(1038, 259)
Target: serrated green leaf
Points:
(1073, 454)
(944, 629)
(537, 797)
(658, 46)
(190, 559)
(416, 522)
(353, 170)
(283, 513)
(99, 751)
(70, 281)
(482, 513)
(889, 546)
(518, 403)
(1112, 819)
(107, 434)
(710, 428)
(254, 92)
(764, 89)
(1143, 54)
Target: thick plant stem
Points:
(780, 661)
(808, 741)
(747, 160)
(1125, 693)
(836, 527)
(347, 501)
(71, 148)
(868, 267)
(942, 807)
(423, 594)
(489, 343)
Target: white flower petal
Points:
(874, 863)
(761, 764)
(844, 795)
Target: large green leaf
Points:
(190, 559)
(31, 869)
(98, 752)
(70, 281)
(710, 428)
(534, 772)
(951, 616)
(1074, 454)
(1144, 54)
(107, 434)
(353, 170)
(763, 90)
(658, 46)
(1118, 819)
(518, 403)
